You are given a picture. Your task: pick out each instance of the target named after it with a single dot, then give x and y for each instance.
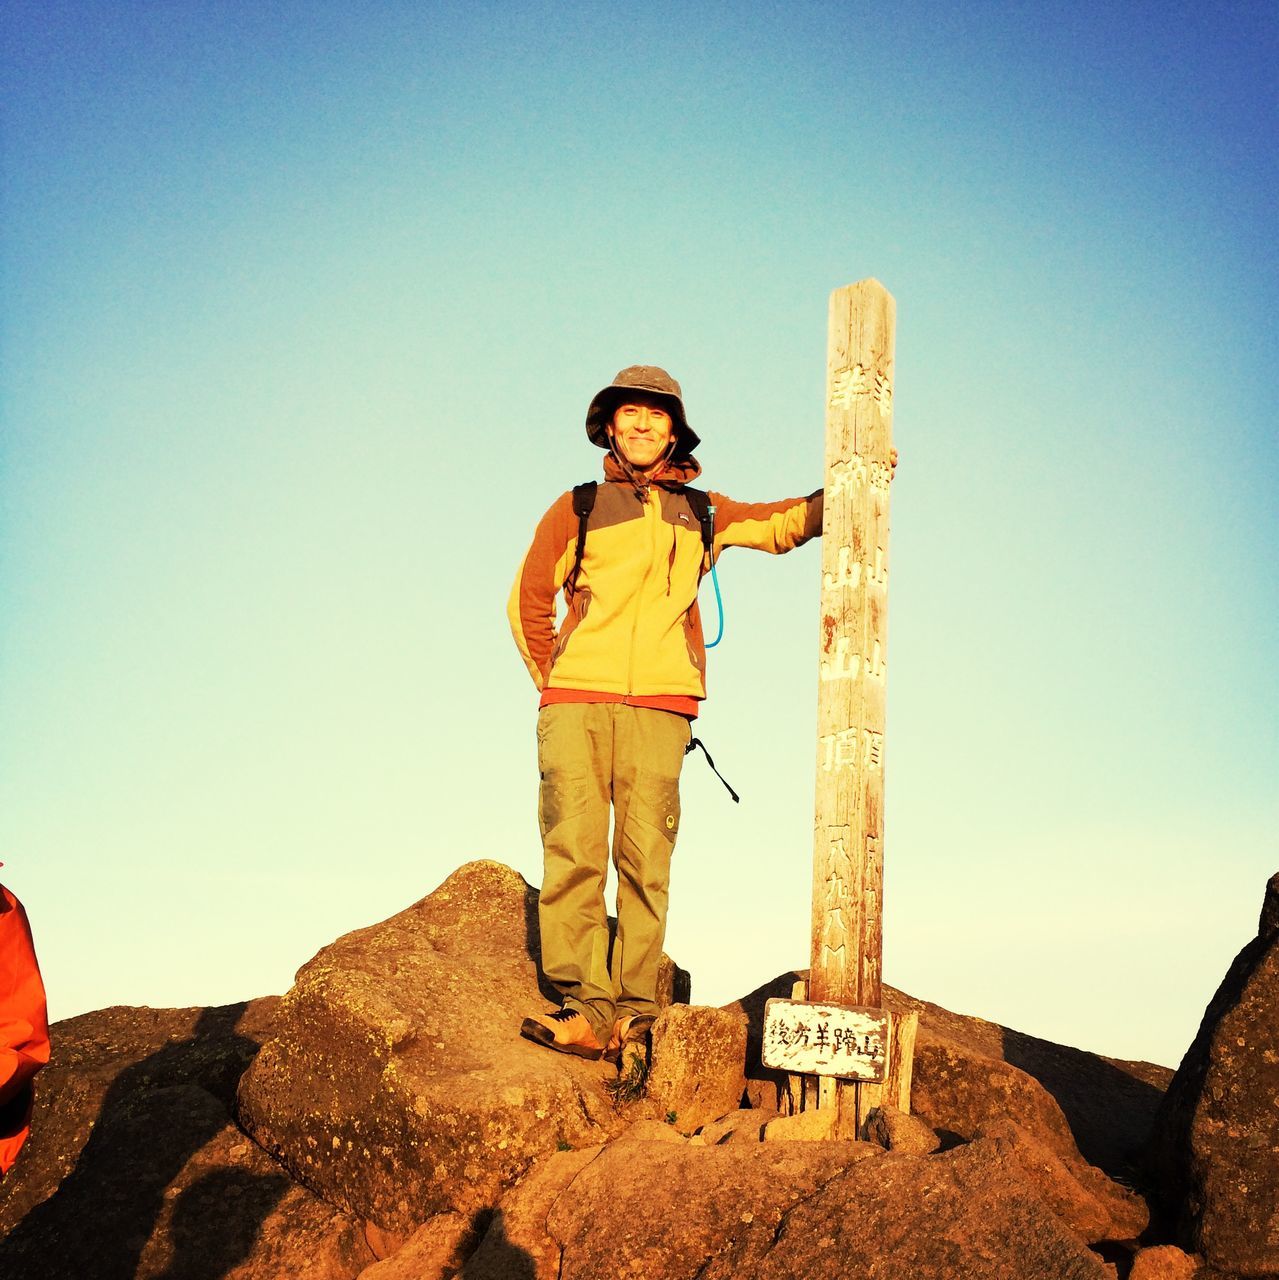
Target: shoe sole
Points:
(530, 1029)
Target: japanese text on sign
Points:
(856, 383)
(825, 1040)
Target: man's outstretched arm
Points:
(775, 527)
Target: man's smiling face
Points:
(641, 431)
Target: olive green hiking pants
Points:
(593, 756)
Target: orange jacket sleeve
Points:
(531, 607)
(24, 1026)
(775, 527)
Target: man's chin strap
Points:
(641, 482)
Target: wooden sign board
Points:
(847, 1041)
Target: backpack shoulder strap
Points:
(699, 500)
(583, 505)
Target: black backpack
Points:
(584, 504)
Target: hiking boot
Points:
(630, 1030)
(567, 1031)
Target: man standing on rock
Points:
(621, 680)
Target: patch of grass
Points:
(671, 1117)
(632, 1084)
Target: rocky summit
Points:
(385, 1120)
(136, 1167)
(385, 1087)
(1215, 1149)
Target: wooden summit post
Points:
(836, 1034)
(840, 1047)
(848, 827)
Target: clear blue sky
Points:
(302, 305)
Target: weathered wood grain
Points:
(848, 834)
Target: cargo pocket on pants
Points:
(655, 803)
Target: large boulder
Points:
(1216, 1144)
(1087, 1201)
(781, 1211)
(969, 1072)
(397, 1085)
(957, 1089)
(135, 1168)
(698, 1061)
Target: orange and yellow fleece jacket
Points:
(632, 631)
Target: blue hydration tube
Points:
(719, 599)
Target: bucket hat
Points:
(651, 381)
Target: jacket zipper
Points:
(651, 503)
